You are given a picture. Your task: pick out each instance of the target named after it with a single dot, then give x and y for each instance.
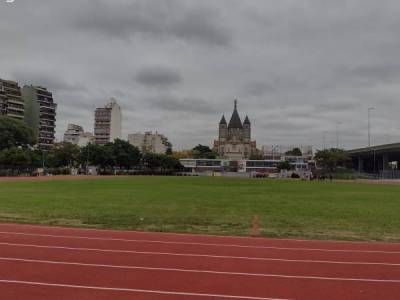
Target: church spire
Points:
(235, 121)
(223, 121)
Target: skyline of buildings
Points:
(32, 104)
(108, 123)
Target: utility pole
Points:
(369, 125)
(87, 158)
(337, 134)
(324, 140)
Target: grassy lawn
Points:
(209, 205)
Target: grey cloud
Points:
(184, 104)
(159, 20)
(297, 67)
(51, 81)
(203, 25)
(158, 76)
(334, 106)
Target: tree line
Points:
(18, 156)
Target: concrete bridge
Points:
(375, 159)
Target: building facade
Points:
(11, 102)
(77, 136)
(107, 123)
(278, 151)
(298, 165)
(40, 114)
(234, 139)
(150, 142)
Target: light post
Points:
(324, 140)
(43, 161)
(337, 134)
(87, 158)
(369, 125)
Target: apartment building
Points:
(107, 123)
(77, 136)
(40, 114)
(11, 102)
(150, 142)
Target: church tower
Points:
(234, 138)
(246, 130)
(223, 129)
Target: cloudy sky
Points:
(296, 67)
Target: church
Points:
(234, 140)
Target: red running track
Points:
(39, 262)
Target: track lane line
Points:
(200, 255)
(198, 271)
(199, 244)
(5, 281)
(200, 235)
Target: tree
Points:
(294, 152)
(256, 156)
(201, 151)
(97, 155)
(158, 162)
(125, 155)
(169, 148)
(284, 165)
(16, 158)
(64, 155)
(182, 154)
(331, 159)
(14, 133)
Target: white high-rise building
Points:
(150, 142)
(107, 123)
(77, 136)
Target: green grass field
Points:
(209, 205)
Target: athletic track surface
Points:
(62, 263)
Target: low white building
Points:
(150, 142)
(77, 136)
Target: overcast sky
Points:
(296, 67)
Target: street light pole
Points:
(87, 158)
(337, 134)
(324, 140)
(369, 125)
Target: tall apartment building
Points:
(107, 123)
(77, 136)
(11, 102)
(40, 114)
(150, 142)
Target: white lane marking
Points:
(202, 255)
(198, 244)
(199, 271)
(101, 288)
(267, 239)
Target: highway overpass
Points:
(375, 159)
